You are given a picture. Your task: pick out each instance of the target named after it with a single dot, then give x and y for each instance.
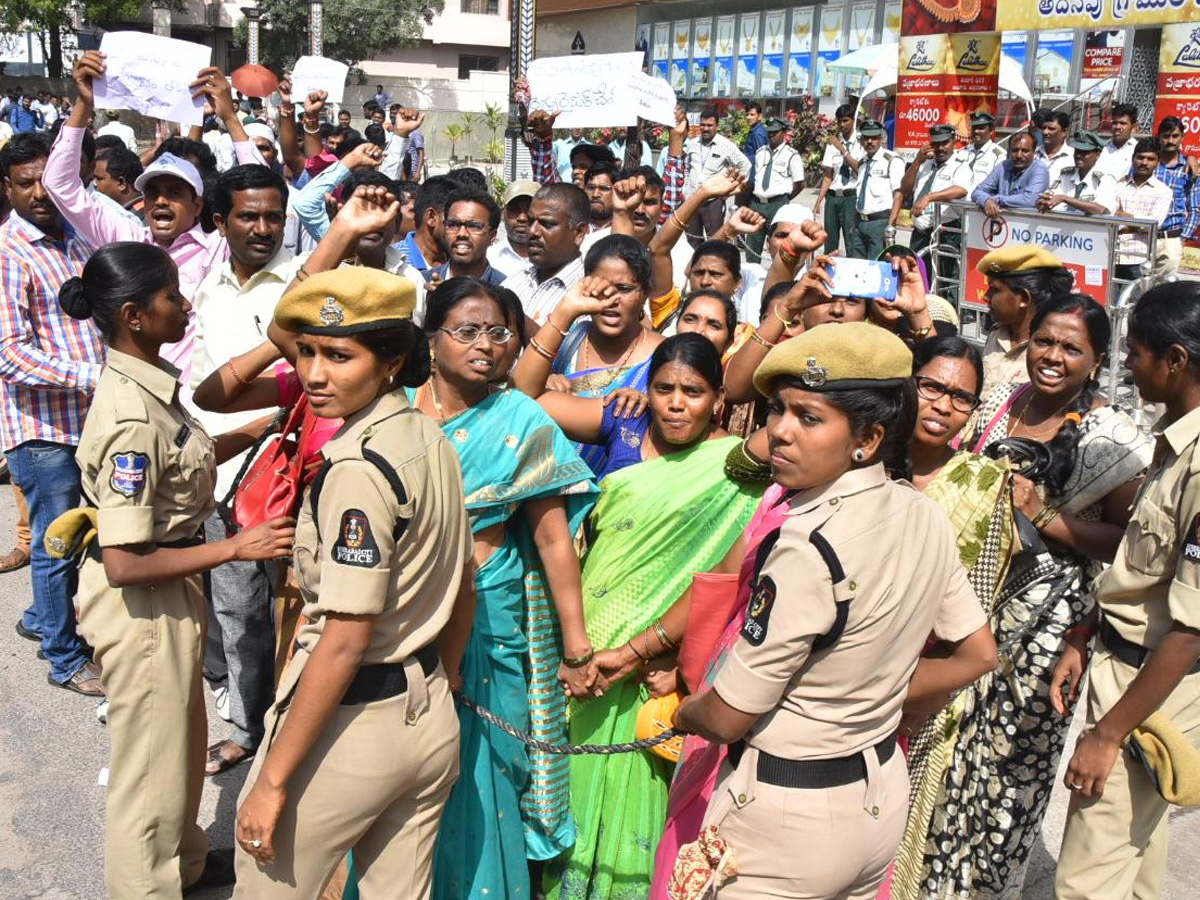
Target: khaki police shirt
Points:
(951, 173)
(358, 562)
(903, 580)
(145, 461)
(1155, 578)
(882, 174)
(981, 161)
(1004, 361)
(1098, 187)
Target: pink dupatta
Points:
(697, 774)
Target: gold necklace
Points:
(437, 405)
(964, 11)
(1039, 433)
(624, 359)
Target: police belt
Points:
(810, 774)
(873, 217)
(381, 681)
(1126, 650)
(93, 549)
(847, 192)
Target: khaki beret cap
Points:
(1017, 258)
(838, 357)
(347, 300)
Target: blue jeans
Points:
(47, 474)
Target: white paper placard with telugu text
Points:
(150, 75)
(604, 91)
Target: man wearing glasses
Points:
(470, 223)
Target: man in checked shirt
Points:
(1178, 172)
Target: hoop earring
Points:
(859, 455)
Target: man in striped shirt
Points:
(49, 365)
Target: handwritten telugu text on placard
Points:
(319, 73)
(599, 91)
(150, 75)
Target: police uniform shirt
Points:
(902, 579)
(1097, 186)
(786, 168)
(1064, 158)
(981, 161)
(949, 174)
(370, 551)
(1155, 578)
(145, 462)
(832, 160)
(882, 174)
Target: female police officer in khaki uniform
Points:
(814, 796)
(363, 737)
(148, 466)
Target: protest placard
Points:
(150, 75)
(604, 91)
(319, 73)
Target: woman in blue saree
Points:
(610, 349)
(527, 493)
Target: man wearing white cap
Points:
(509, 253)
(118, 129)
(172, 189)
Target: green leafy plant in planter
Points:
(470, 121)
(453, 133)
(735, 126)
(493, 151)
(808, 133)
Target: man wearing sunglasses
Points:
(470, 222)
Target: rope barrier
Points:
(563, 749)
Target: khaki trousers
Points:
(1170, 255)
(375, 782)
(1115, 846)
(148, 643)
(810, 844)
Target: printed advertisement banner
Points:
(1103, 52)
(702, 39)
(943, 16)
(683, 37)
(700, 77)
(722, 76)
(829, 49)
(750, 35)
(1179, 81)
(921, 88)
(772, 75)
(662, 40)
(747, 75)
(972, 80)
(725, 29)
(773, 35)
(799, 67)
(1083, 248)
(891, 23)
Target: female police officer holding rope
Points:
(363, 736)
(813, 798)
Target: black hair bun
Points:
(73, 298)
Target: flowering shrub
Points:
(808, 132)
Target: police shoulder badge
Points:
(758, 612)
(1191, 542)
(129, 473)
(355, 545)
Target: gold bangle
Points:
(644, 659)
(540, 350)
(786, 323)
(677, 222)
(578, 662)
(661, 634)
(758, 338)
(789, 259)
(922, 333)
(236, 375)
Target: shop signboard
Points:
(891, 23)
(921, 88)
(972, 79)
(1103, 53)
(1179, 81)
(662, 41)
(952, 16)
(701, 51)
(1083, 246)
(774, 39)
(799, 68)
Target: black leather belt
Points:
(1126, 650)
(93, 548)
(1173, 233)
(873, 217)
(848, 192)
(812, 774)
(382, 681)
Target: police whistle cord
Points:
(563, 749)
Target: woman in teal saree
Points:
(527, 492)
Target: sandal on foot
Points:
(217, 762)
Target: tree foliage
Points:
(354, 29)
(54, 17)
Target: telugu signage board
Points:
(1179, 81)
(945, 17)
(1084, 247)
(921, 88)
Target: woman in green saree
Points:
(657, 523)
(527, 492)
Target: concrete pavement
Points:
(52, 751)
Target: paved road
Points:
(52, 751)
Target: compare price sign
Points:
(1179, 80)
(921, 88)
(1084, 248)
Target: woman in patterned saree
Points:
(527, 492)
(1000, 770)
(656, 524)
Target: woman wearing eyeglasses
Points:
(527, 493)
(1071, 513)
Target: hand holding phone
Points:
(864, 278)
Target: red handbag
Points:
(270, 486)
